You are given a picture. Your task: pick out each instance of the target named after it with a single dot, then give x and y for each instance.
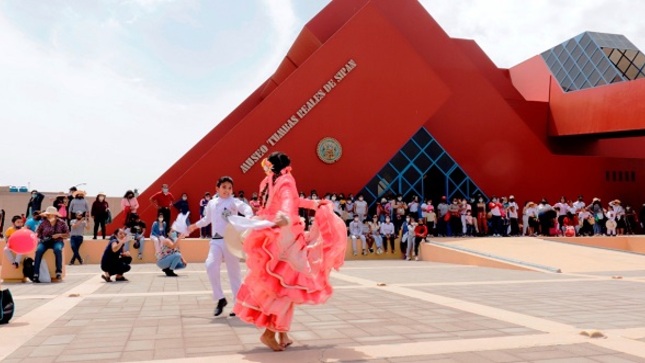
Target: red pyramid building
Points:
(375, 97)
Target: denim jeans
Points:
(76, 242)
(137, 237)
(43, 246)
(172, 262)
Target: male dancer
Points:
(216, 214)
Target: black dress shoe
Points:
(232, 315)
(220, 306)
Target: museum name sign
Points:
(298, 116)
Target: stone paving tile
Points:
(584, 304)
(29, 288)
(154, 317)
(575, 353)
(418, 272)
(631, 273)
(24, 306)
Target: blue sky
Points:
(112, 92)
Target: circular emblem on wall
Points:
(329, 150)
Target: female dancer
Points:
(287, 265)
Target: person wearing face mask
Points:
(182, 206)
(129, 204)
(158, 230)
(454, 221)
(35, 202)
(79, 225)
(205, 231)
(350, 206)
(51, 233)
(407, 238)
(482, 220)
(79, 204)
(381, 210)
(99, 213)
(16, 224)
(400, 206)
(512, 210)
(360, 208)
(356, 232)
(375, 232)
(497, 213)
(442, 217)
(163, 200)
(387, 231)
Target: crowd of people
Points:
(307, 237)
(372, 228)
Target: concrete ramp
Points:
(557, 256)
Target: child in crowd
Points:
(16, 224)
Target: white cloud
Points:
(512, 31)
(284, 22)
(66, 121)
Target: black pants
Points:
(117, 267)
(515, 227)
(99, 222)
(496, 222)
(417, 242)
(165, 211)
(391, 239)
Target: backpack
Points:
(6, 306)
(28, 268)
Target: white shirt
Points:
(218, 210)
(413, 207)
(512, 212)
(578, 205)
(387, 228)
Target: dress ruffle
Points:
(288, 266)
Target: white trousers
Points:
(216, 253)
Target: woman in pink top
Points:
(129, 204)
(287, 265)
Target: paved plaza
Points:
(382, 311)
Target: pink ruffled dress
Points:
(287, 265)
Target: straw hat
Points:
(617, 201)
(101, 193)
(79, 192)
(51, 210)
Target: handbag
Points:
(7, 306)
(108, 218)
